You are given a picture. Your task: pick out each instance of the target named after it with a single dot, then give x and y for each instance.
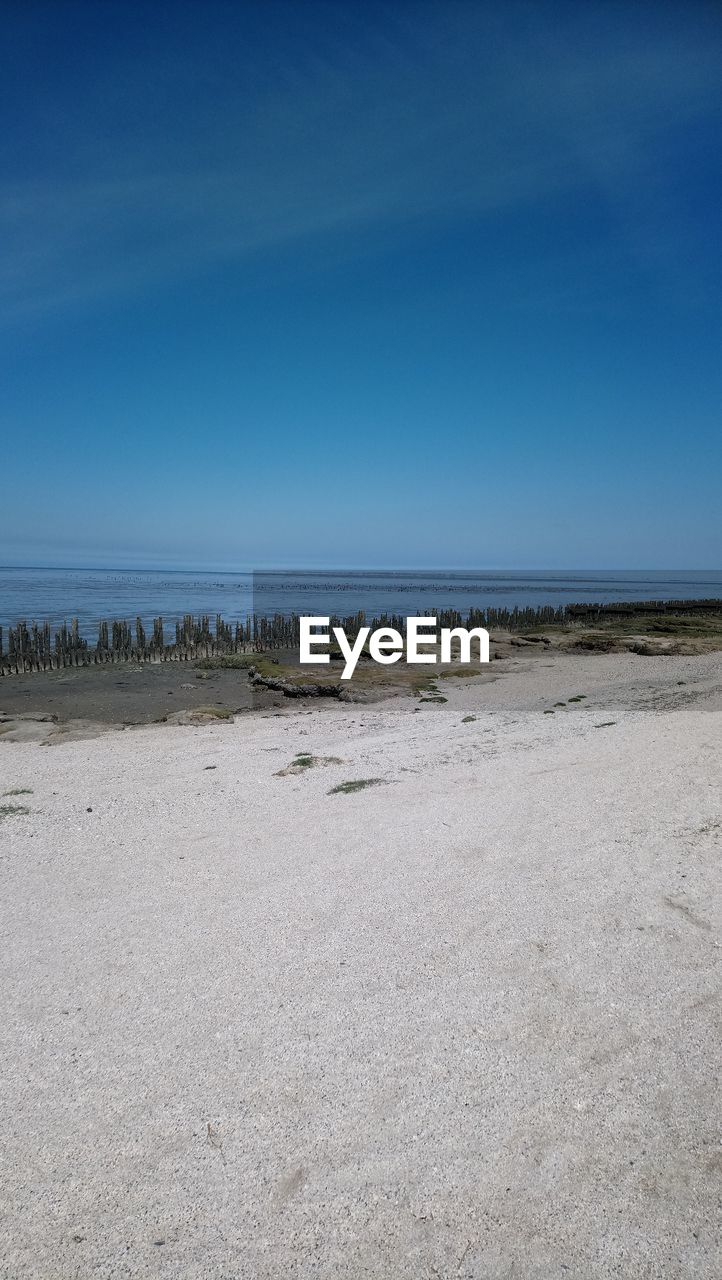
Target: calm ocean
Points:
(57, 595)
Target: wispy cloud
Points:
(452, 114)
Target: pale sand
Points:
(458, 1025)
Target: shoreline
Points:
(44, 648)
(53, 707)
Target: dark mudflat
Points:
(129, 693)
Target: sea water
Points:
(58, 595)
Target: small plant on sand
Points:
(468, 719)
(560, 704)
(7, 810)
(302, 762)
(549, 712)
(579, 698)
(605, 724)
(421, 687)
(18, 791)
(357, 784)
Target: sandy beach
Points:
(462, 1021)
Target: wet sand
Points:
(128, 693)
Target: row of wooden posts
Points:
(42, 648)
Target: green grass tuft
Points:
(302, 762)
(7, 810)
(357, 784)
(426, 684)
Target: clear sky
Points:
(356, 284)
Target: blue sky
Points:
(354, 284)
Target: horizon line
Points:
(339, 569)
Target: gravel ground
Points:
(462, 1022)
